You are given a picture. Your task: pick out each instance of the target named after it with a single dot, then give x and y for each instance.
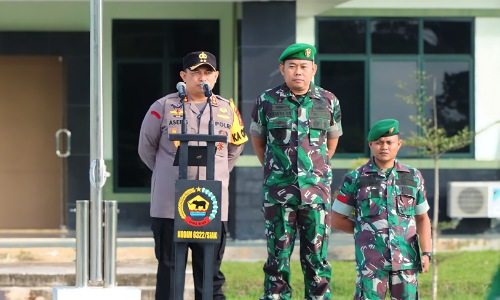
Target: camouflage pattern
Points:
(383, 206)
(403, 283)
(494, 293)
(297, 179)
(296, 163)
(281, 224)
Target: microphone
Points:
(206, 88)
(181, 89)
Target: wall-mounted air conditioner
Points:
(474, 199)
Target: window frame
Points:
(421, 58)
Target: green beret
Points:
(298, 51)
(382, 128)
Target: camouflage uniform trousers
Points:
(403, 284)
(282, 222)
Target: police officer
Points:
(158, 152)
(383, 203)
(295, 130)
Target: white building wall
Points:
(305, 30)
(487, 88)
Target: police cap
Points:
(195, 59)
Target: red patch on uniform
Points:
(342, 198)
(156, 114)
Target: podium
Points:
(198, 210)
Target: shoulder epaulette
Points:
(172, 96)
(222, 99)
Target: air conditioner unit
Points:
(474, 199)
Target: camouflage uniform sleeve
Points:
(335, 129)
(422, 205)
(150, 134)
(258, 126)
(345, 202)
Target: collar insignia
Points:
(214, 100)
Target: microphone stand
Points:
(211, 120)
(183, 184)
(184, 121)
(182, 93)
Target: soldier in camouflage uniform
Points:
(383, 203)
(494, 293)
(295, 129)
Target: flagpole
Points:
(97, 171)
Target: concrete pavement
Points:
(30, 267)
(140, 249)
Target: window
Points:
(394, 36)
(447, 37)
(361, 60)
(351, 33)
(346, 80)
(147, 58)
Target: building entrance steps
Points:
(35, 280)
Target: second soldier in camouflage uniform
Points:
(295, 129)
(383, 203)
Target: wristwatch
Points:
(428, 254)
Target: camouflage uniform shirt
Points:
(383, 206)
(296, 129)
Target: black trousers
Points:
(163, 233)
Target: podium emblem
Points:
(198, 206)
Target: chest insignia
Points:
(280, 110)
(177, 110)
(220, 145)
(176, 143)
(223, 113)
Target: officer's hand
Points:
(425, 263)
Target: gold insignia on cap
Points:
(391, 130)
(308, 52)
(203, 57)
